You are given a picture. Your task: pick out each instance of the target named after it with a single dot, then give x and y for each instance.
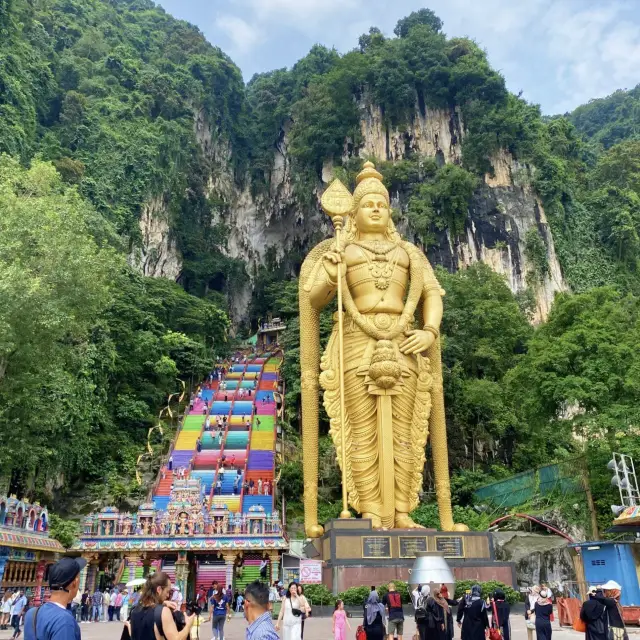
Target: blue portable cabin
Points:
(606, 560)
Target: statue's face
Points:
(373, 214)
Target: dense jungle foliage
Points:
(106, 105)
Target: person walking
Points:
(257, 614)
(85, 606)
(472, 617)
(5, 619)
(609, 595)
(594, 615)
(117, 606)
(17, 610)
(393, 602)
(76, 606)
(96, 605)
(290, 618)
(438, 608)
(151, 619)
(374, 617)
(220, 610)
(543, 610)
(340, 622)
(52, 620)
(112, 607)
(264, 567)
(125, 605)
(420, 596)
(106, 604)
(502, 611)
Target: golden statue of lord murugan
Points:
(386, 394)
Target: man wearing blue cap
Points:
(52, 620)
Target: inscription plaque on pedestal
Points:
(410, 545)
(450, 546)
(376, 546)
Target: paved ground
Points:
(315, 629)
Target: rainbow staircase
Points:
(209, 572)
(184, 449)
(261, 462)
(251, 571)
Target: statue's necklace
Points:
(378, 247)
(381, 266)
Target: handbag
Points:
(361, 634)
(494, 631)
(579, 625)
(296, 612)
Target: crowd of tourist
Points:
(383, 618)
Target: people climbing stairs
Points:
(227, 440)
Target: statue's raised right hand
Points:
(332, 261)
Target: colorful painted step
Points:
(232, 502)
(266, 502)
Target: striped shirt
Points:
(262, 628)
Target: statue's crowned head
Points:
(369, 183)
(371, 211)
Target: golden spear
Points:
(337, 202)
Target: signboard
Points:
(311, 571)
(409, 546)
(450, 546)
(376, 546)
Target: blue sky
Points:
(559, 53)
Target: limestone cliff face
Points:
(157, 255)
(433, 132)
(539, 559)
(503, 210)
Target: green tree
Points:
(55, 281)
(422, 17)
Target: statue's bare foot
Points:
(403, 521)
(376, 522)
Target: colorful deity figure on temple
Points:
(275, 522)
(184, 524)
(225, 525)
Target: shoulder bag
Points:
(494, 631)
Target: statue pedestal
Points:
(354, 554)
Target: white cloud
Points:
(242, 35)
(595, 51)
(561, 52)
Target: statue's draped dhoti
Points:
(387, 426)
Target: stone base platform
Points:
(354, 554)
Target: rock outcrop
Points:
(503, 209)
(156, 256)
(539, 559)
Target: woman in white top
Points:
(5, 618)
(290, 618)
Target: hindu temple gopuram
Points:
(25, 547)
(210, 514)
